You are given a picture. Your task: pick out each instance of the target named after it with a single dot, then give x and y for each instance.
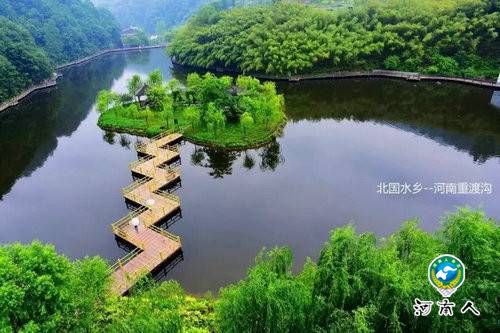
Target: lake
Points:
(345, 141)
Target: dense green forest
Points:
(453, 38)
(154, 15)
(21, 61)
(158, 16)
(37, 35)
(358, 284)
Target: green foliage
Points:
(22, 63)
(65, 30)
(435, 37)
(361, 284)
(392, 62)
(210, 106)
(155, 78)
(246, 121)
(192, 115)
(106, 99)
(156, 97)
(134, 84)
(270, 299)
(41, 291)
(153, 15)
(139, 38)
(35, 35)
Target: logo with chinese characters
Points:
(446, 273)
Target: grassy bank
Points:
(215, 111)
(232, 136)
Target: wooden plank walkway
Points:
(153, 244)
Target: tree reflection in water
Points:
(220, 162)
(109, 137)
(248, 161)
(271, 157)
(124, 141)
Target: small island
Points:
(222, 112)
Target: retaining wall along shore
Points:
(52, 82)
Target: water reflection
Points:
(29, 132)
(271, 157)
(139, 57)
(342, 139)
(109, 137)
(125, 141)
(220, 162)
(450, 114)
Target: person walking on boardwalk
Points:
(135, 224)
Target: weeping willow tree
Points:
(364, 284)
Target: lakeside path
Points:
(408, 76)
(376, 73)
(52, 82)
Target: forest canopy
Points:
(35, 36)
(66, 30)
(287, 38)
(21, 61)
(153, 15)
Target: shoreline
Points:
(52, 82)
(206, 143)
(377, 73)
(407, 76)
(46, 84)
(105, 52)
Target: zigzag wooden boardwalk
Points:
(153, 244)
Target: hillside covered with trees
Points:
(453, 38)
(35, 36)
(154, 15)
(358, 284)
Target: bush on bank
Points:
(358, 284)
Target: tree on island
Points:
(192, 115)
(246, 121)
(209, 105)
(134, 84)
(106, 99)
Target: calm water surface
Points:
(60, 175)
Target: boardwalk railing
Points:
(126, 219)
(175, 148)
(153, 244)
(168, 196)
(140, 147)
(125, 259)
(126, 190)
(163, 134)
(140, 161)
(165, 233)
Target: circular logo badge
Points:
(446, 273)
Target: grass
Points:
(232, 136)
